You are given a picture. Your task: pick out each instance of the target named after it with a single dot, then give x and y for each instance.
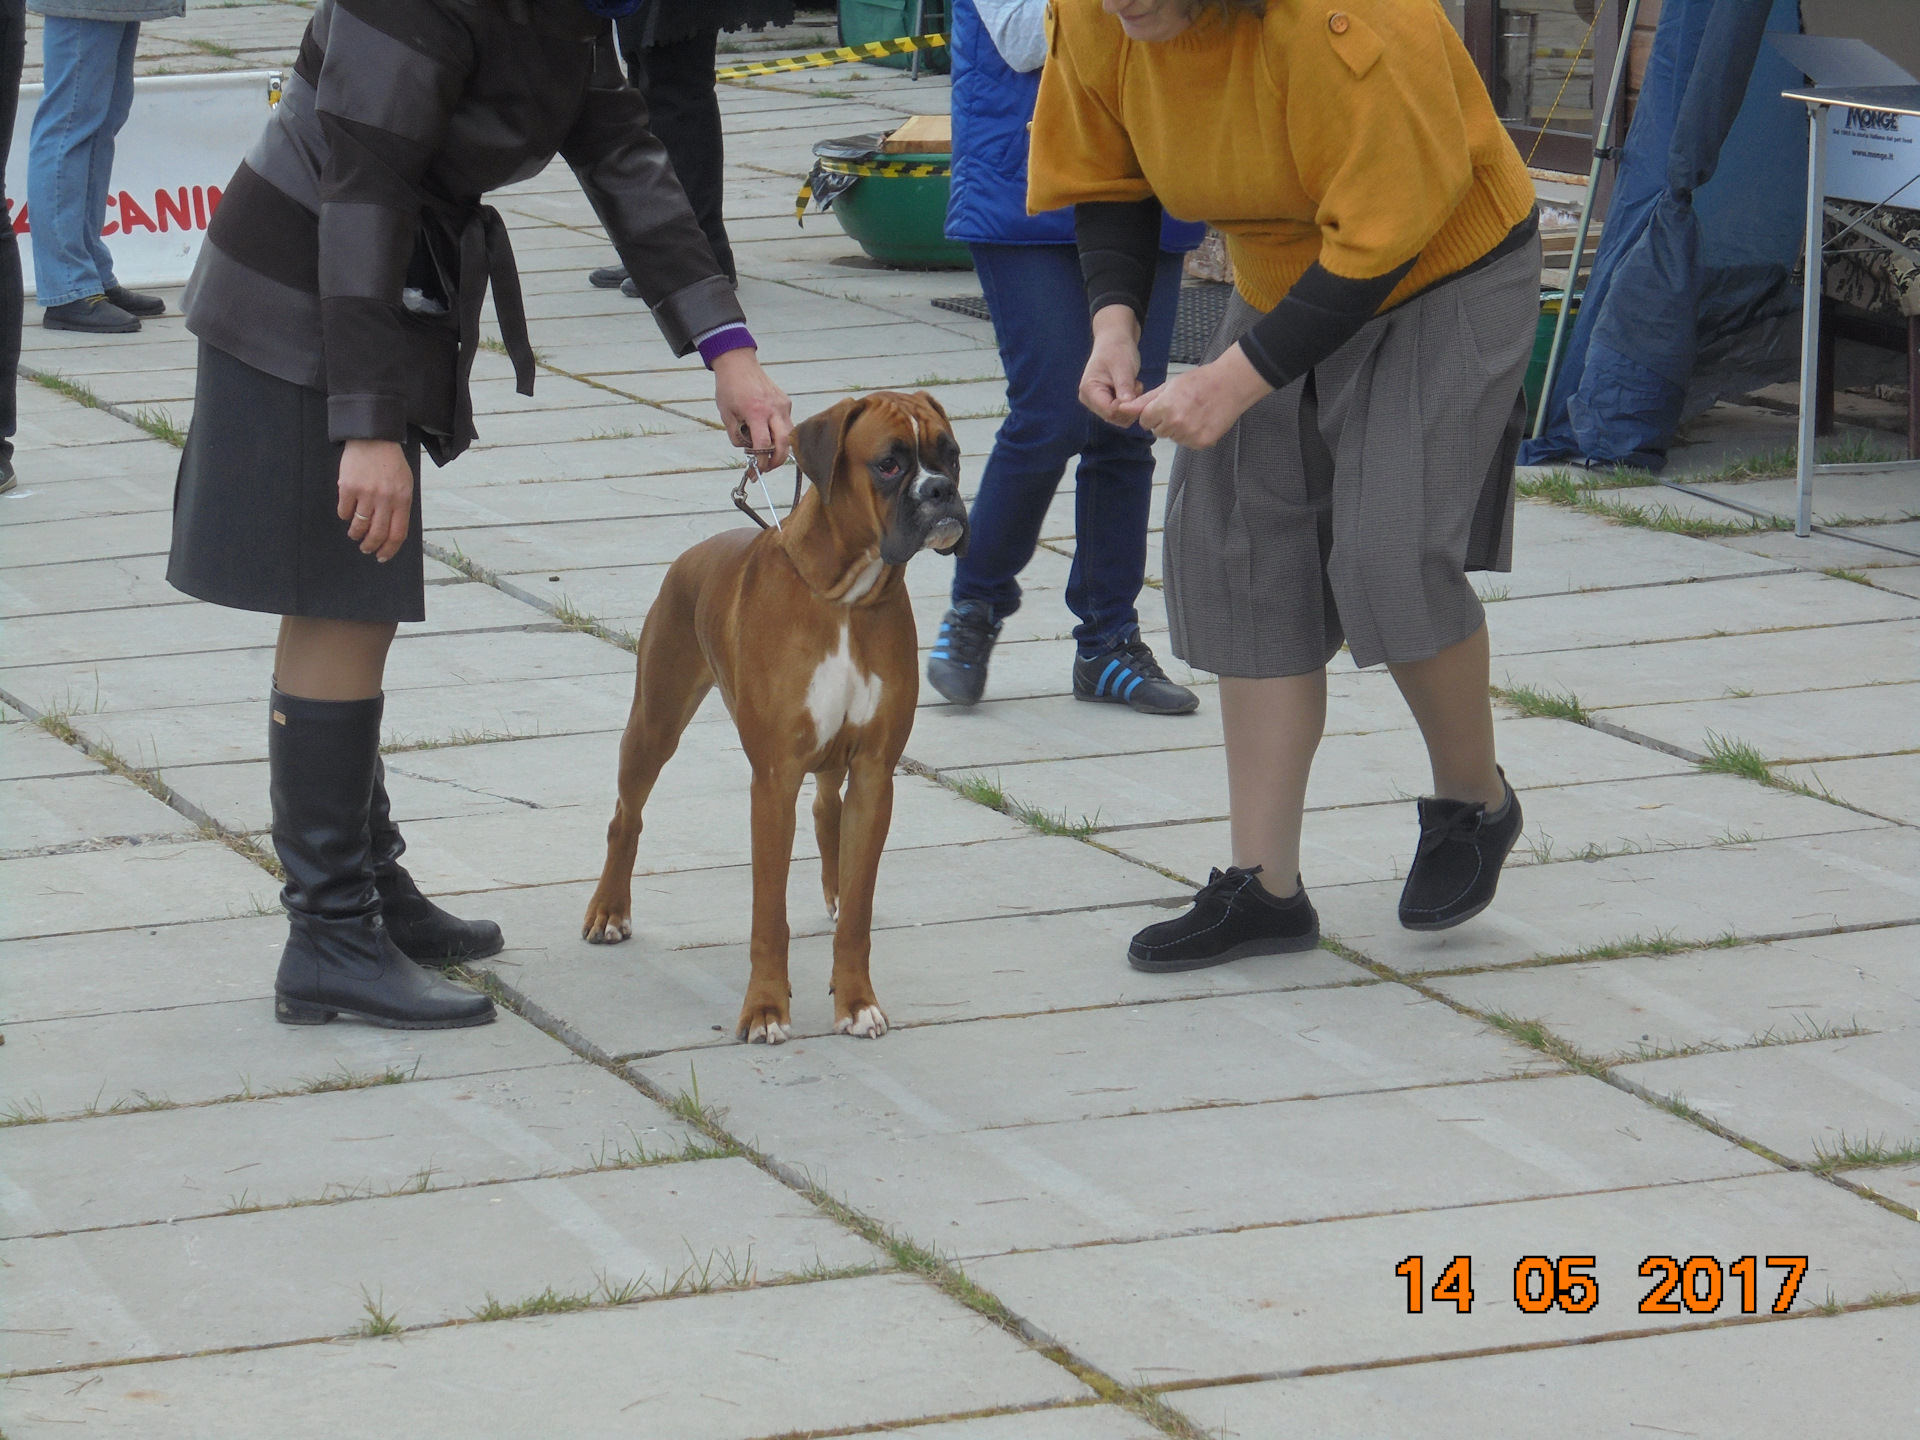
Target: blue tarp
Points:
(1691, 293)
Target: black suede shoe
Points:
(95, 315)
(957, 667)
(607, 277)
(421, 929)
(1232, 916)
(1129, 675)
(1457, 867)
(339, 959)
(134, 303)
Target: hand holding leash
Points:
(757, 413)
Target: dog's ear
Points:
(938, 408)
(817, 442)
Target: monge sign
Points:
(1871, 155)
(175, 155)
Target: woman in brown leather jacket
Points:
(337, 302)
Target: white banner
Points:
(172, 159)
(1871, 154)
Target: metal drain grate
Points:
(1202, 304)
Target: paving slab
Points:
(1557, 551)
(635, 1000)
(1837, 550)
(1348, 770)
(207, 1160)
(1803, 1101)
(1838, 720)
(308, 1271)
(1774, 888)
(1354, 844)
(1753, 994)
(1089, 1422)
(162, 883)
(1288, 1298)
(1118, 1060)
(27, 751)
(145, 968)
(1887, 785)
(989, 1191)
(75, 809)
(1725, 607)
(1766, 664)
(843, 1354)
(199, 1053)
(1789, 1377)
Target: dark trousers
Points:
(13, 54)
(1039, 307)
(684, 112)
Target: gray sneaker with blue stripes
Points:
(1129, 675)
(957, 668)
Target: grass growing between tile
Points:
(380, 1320)
(1735, 757)
(1542, 704)
(1864, 1153)
(983, 791)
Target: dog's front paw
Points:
(607, 923)
(868, 1022)
(764, 1024)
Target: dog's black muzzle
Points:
(928, 514)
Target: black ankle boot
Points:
(421, 929)
(1232, 916)
(1457, 867)
(339, 958)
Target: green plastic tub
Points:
(901, 221)
(1542, 344)
(865, 20)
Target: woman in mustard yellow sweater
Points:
(1347, 450)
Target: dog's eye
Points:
(890, 468)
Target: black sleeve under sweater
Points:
(1119, 243)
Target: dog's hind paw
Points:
(868, 1022)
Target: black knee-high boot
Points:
(339, 958)
(421, 929)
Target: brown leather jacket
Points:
(351, 253)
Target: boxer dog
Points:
(808, 633)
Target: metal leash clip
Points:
(753, 474)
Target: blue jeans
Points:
(89, 79)
(1039, 308)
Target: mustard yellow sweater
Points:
(1352, 132)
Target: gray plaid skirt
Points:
(1351, 504)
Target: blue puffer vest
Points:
(992, 103)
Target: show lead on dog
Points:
(1347, 451)
(337, 301)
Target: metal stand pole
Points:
(919, 19)
(1815, 269)
(1601, 153)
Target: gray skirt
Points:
(1350, 505)
(255, 518)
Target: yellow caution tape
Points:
(845, 55)
(891, 169)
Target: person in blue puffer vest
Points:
(1030, 274)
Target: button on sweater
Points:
(1360, 147)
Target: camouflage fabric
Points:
(1865, 274)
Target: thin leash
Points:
(753, 474)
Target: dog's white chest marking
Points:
(839, 694)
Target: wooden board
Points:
(922, 135)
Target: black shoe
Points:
(134, 303)
(7, 478)
(96, 315)
(1457, 867)
(421, 929)
(1232, 916)
(607, 277)
(339, 958)
(1129, 675)
(957, 668)
(629, 289)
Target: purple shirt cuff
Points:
(716, 343)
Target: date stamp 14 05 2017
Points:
(1698, 1285)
